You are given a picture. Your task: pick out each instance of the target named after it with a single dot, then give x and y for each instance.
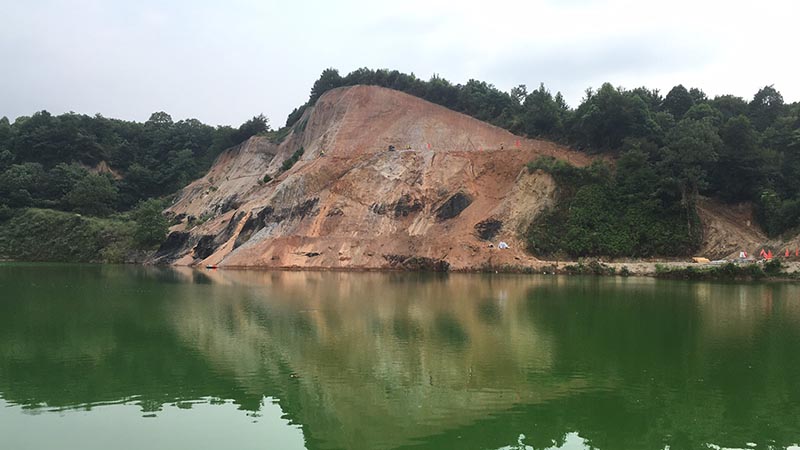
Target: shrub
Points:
(289, 162)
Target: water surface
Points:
(98, 357)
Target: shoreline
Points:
(664, 269)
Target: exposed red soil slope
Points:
(362, 206)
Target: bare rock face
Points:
(349, 202)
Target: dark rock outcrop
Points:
(453, 206)
(417, 263)
(488, 229)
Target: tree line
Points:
(96, 165)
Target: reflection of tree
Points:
(681, 386)
(70, 341)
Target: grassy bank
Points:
(727, 271)
(48, 235)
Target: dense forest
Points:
(668, 150)
(115, 174)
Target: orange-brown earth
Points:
(351, 203)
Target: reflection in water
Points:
(412, 361)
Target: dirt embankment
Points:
(386, 181)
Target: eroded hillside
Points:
(449, 192)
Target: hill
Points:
(452, 189)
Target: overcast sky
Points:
(224, 62)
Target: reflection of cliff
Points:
(379, 360)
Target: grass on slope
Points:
(48, 235)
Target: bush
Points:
(728, 271)
(151, 225)
(289, 162)
(773, 267)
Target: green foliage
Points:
(592, 267)
(150, 159)
(544, 115)
(266, 178)
(678, 101)
(295, 115)
(151, 225)
(257, 125)
(93, 194)
(609, 116)
(278, 136)
(766, 107)
(773, 267)
(727, 271)
(621, 214)
(742, 167)
(329, 79)
(21, 184)
(47, 235)
(289, 162)
(692, 149)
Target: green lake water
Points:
(113, 357)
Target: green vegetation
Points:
(151, 226)
(289, 162)
(98, 167)
(600, 212)
(95, 165)
(727, 271)
(48, 235)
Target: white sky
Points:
(224, 62)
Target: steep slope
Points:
(350, 202)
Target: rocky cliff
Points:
(385, 180)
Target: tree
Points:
(159, 119)
(93, 195)
(21, 184)
(329, 79)
(678, 101)
(543, 116)
(609, 116)
(61, 179)
(740, 169)
(520, 93)
(258, 124)
(765, 108)
(702, 111)
(692, 147)
(729, 106)
(151, 225)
